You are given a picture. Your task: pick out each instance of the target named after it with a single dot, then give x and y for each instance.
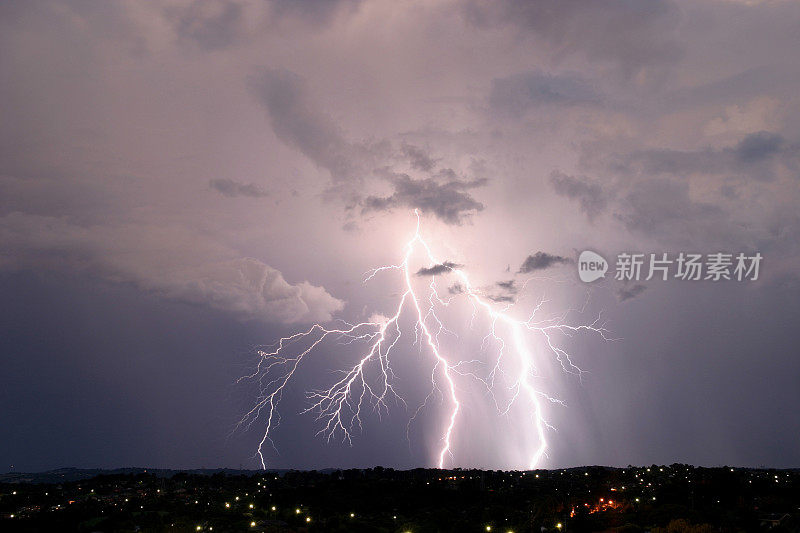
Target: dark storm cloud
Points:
(759, 146)
(517, 93)
(110, 237)
(501, 298)
(456, 288)
(441, 268)
(663, 207)
(507, 285)
(593, 198)
(231, 188)
(212, 25)
(508, 288)
(298, 122)
(314, 11)
(751, 157)
(666, 161)
(627, 293)
(219, 24)
(419, 158)
(450, 201)
(736, 87)
(629, 34)
(540, 261)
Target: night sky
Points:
(184, 182)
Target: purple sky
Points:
(183, 181)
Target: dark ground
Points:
(674, 498)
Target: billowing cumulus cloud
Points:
(253, 290)
(172, 261)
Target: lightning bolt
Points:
(340, 407)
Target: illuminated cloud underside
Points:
(340, 407)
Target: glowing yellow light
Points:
(559, 526)
(227, 505)
(252, 524)
(488, 528)
(273, 507)
(308, 519)
(251, 506)
(352, 515)
(297, 511)
(198, 528)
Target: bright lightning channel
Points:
(339, 408)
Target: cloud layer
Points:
(240, 164)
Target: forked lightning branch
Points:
(368, 387)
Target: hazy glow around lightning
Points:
(340, 407)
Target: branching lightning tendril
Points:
(339, 408)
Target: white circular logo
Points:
(591, 266)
